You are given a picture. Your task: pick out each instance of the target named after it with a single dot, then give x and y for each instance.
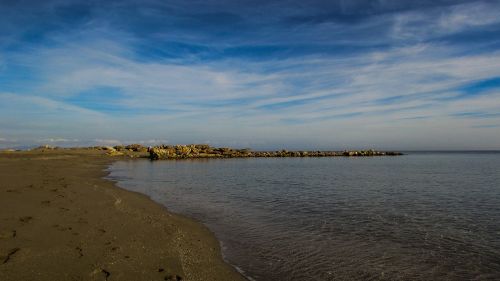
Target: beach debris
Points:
(106, 273)
(25, 219)
(8, 234)
(173, 278)
(80, 251)
(10, 254)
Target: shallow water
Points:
(425, 216)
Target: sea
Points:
(420, 216)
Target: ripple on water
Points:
(421, 217)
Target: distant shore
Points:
(206, 151)
(60, 220)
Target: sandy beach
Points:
(60, 220)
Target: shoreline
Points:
(62, 219)
(219, 242)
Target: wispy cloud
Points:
(58, 140)
(381, 74)
(441, 22)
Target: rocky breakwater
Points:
(206, 151)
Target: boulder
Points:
(115, 153)
(202, 147)
(46, 147)
(183, 150)
(119, 147)
(136, 148)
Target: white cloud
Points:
(470, 15)
(149, 142)
(58, 140)
(10, 99)
(107, 142)
(229, 102)
(423, 25)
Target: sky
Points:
(338, 74)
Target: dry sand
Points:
(60, 220)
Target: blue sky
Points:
(385, 74)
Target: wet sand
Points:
(60, 220)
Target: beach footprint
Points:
(8, 234)
(25, 219)
(80, 251)
(174, 277)
(106, 274)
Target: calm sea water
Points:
(426, 216)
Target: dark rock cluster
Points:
(206, 151)
(131, 147)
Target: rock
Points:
(119, 147)
(182, 150)
(114, 152)
(46, 147)
(205, 151)
(111, 151)
(136, 148)
(202, 147)
(392, 153)
(156, 153)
